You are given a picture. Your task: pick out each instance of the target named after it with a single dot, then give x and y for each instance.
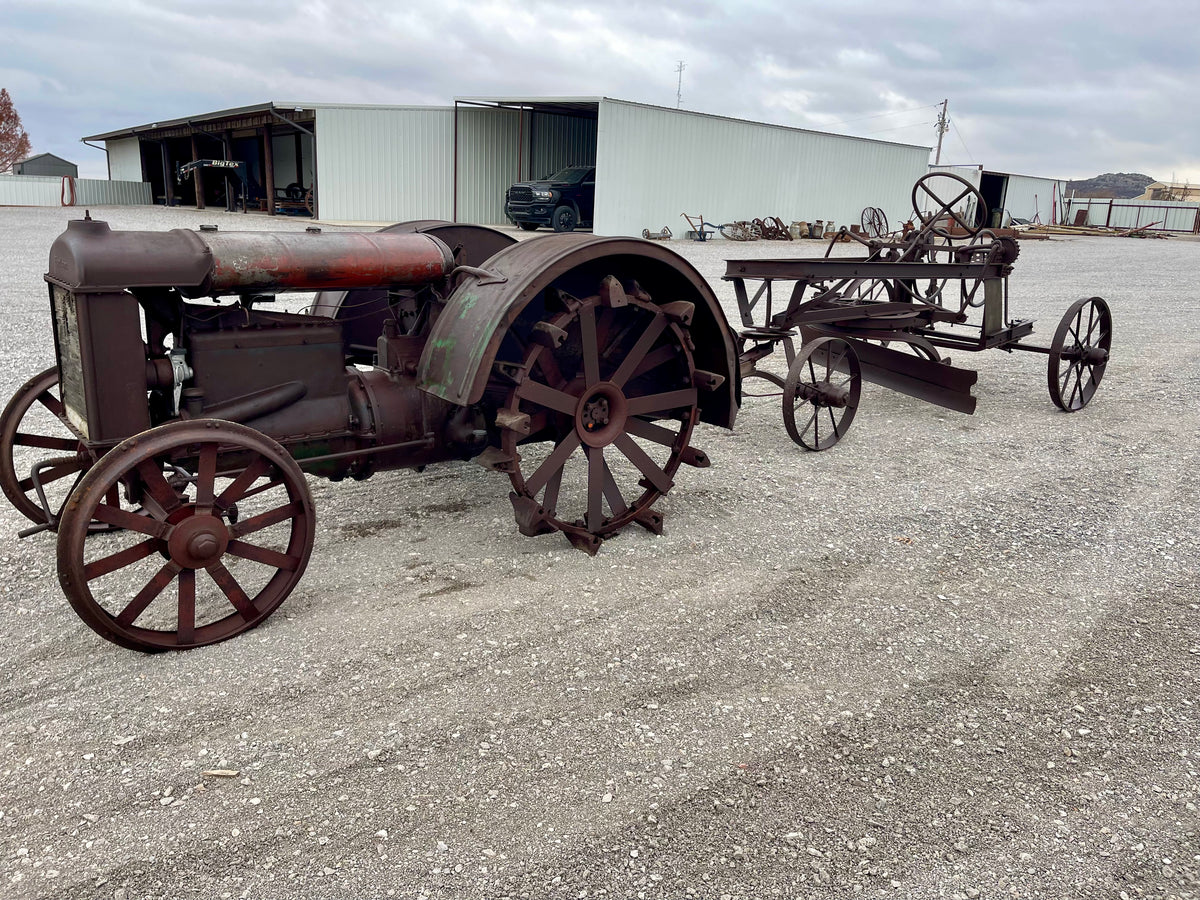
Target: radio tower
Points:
(679, 87)
(942, 126)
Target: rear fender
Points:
(464, 344)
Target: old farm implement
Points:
(887, 316)
(169, 446)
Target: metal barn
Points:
(384, 164)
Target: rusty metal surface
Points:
(90, 256)
(457, 362)
(363, 311)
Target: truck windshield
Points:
(570, 175)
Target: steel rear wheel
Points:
(224, 536)
(611, 403)
(1079, 353)
(820, 396)
(34, 429)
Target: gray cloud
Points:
(1061, 89)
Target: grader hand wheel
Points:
(922, 191)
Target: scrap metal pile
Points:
(168, 447)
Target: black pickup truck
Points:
(563, 201)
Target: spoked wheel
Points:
(820, 396)
(874, 222)
(227, 532)
(611, 402)
(1079, 353)
(35, 434)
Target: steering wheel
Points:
(922, 191)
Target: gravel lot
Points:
(956, 656)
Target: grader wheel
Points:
(1079, 353)
(820, 396)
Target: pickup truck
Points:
(563, 201)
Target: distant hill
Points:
(1117, 185)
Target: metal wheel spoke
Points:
(591, 349)
(44, 441)
(553, 486)
(612, 493)
(53, 404)
(551, 398)
(661, 480)
(130, 521)
(257, 489)
(146, 595)
(549, 366)
(266, 519)
(639, 350)
(553, 464)
(237, 490)
(119, 560)
(232, 590)
(595, 487)
(206, 478)
(658, 402)
(185, 630)
(651, 432)
(263, 555)
(156, 485)
(663, 355)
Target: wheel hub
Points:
(198, 542)
(601, 414)
(824, 394)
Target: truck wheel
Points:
(565, 219)
(527, 226)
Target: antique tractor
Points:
(168, 448)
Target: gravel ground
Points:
(956, 656)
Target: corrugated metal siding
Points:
(559, 141)
(384, 165)
(652, 164)
(1027, 197)
(487, 162)
(1162, 215)
(124, 159)
(94, 192)
(38, 190)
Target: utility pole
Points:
(679, 87)
(942, 126)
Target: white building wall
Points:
(654, 163)
(1032, 198)
(124, 159)
(384, 165)
(49, 190)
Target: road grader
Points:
(168, 448)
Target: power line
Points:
(970, 155)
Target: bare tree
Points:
(14, 141)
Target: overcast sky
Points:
(1059, 89)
